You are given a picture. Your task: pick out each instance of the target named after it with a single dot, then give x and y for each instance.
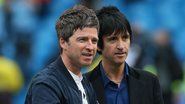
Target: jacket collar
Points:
(58, 63)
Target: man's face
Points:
(81, 47)
(116, 48)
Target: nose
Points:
(120, 44)
(89, 45)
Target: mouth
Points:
(120, 54)
(88, 55)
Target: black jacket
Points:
(143, 87)
(55, 85)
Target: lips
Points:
(120, 53)
(88, 55)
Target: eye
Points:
(125, 37)
(82, 39)
(94, 41)
(112, 39)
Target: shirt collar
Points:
(106, 80)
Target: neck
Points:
(70, 66)
(114, 72)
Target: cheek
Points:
(107, 47)
(128, 46)
(107, 50)
(95, 47)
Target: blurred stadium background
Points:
(28, 42)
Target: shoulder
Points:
(44, 87)
(93, 74)
(141, 74)
(146, 79)
(48, 76)
(145, 83)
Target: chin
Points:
(87, 63)
(119, 62)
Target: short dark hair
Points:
(111, 21)
(75, 18)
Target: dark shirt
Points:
(115, 94)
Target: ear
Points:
(62, 43)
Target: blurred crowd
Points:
(28, 42)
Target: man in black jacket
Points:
(61, 82)
(113, 80)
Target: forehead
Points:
(86, 31)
